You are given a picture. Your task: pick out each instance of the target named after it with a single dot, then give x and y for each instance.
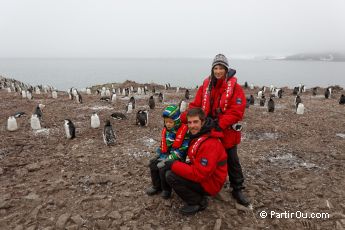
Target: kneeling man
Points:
(205, 171)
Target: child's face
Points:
(169, 123)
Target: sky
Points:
(169, 29)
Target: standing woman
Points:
(223, 99)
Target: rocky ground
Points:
(291, 163)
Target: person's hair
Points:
(196, 112)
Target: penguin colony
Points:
(130, 93)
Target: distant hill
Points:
(336, 57)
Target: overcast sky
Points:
(175, 28)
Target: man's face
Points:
(219, 71)
(194, 124)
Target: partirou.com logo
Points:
(293, 215)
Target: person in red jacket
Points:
(223, 99)
(206, 171)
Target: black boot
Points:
(240, 197)
(166, 194)
(152, 191)
(192, 209)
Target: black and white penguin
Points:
(245, 84)
(160, 97)
(69, 129)
(38, 112)
(314, 91)
(132, 100)
(295, 90)
(251, 99)
(19, 114)
(105, 98)
(109, 137)
(79, 98)
(183, 106)
(342, 100)
(152, 103)
(262, 100)
(142, 118)
(247, 102)
(297, 101)
(270, 105)
(327, 93)
(118, 116)
(129, 107)
(187, 94)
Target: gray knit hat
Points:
(220, 59)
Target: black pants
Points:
(234, 169)
(190, 192)
(158, 176)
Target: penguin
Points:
(330, 91)
(105, 98)
(295, 91)
(260, 93)
(247, 102)
(251, 100)
(132, 100)
(152, 103)
(142, 118)
(160, 97)
(177, 89)
(79, 98)
(69, 129)
(113, 98)
(38, 112)
(139, 91)
(109, 137)
(28, 95)
(107, 92)
(153, 90)
(88, 91)
(23, 94)
(54, 94)
(19, 114)
(279, 93)
(342, 100)
(270, 105)
(187, 94)
(300, 109)
(183, 106)
(251, 86)
(35, 122)
(12, 124)
(246, 85)
(129, 108)
(314, 91)
(262, 100)
(95, 122)
(327, 93)
(118, 116)
(272, 88)
(297, 101)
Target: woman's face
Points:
(219, 71)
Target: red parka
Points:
(233, 113)
(207, 163)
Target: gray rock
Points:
(19, 227)
(115, 215)
(218, 224)
(33, 167)
(62, 220)
(77, 219)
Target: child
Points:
(174, 145)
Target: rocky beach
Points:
(292, 164)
